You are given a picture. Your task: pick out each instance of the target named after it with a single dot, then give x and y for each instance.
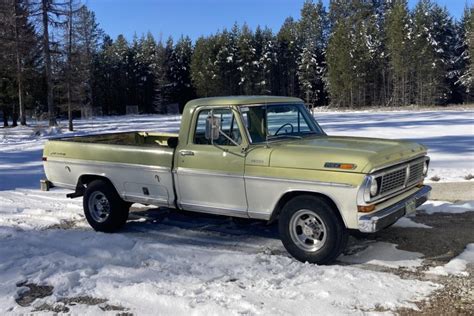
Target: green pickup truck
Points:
(260, 157)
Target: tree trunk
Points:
(19, 70)
(69, 61)
(5, 117)
(14, 116)
(47, 62)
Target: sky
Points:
(164, 18)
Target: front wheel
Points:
(311, 231)
(104, 208)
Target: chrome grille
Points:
(393, 180)
(416, 172)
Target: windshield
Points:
(276, 121)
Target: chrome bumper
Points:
(376, 221)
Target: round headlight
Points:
(425, 168)
(374, 187)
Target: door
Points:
(210, 174)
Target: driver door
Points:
(210, 174)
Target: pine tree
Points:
(102, 76)
(49, 11)
(146, 61)
(226, 61)
(288, 50)
(247, 63)
(464, 54)
(6, 58)
(339, 58)
(432, 40)
(87, 35)
(378, 63)
(266, 79)
(20, 52)
(313, 29)
(444, 45)
(398, 49)
(159, 70)
(118, 64)
(204, 71)
(25, 40)
(69, 51)
(356, 59)
(180, 72)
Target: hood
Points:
(365, 153)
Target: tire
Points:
(311, 230)
(104, 209)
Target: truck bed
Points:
(127, 138)
(137, 163)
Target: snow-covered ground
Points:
(168, 263)
(456, 266)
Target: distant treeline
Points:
(54, 58)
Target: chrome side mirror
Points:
(212, 127)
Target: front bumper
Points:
(376, 221)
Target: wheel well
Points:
(290, 195)
(85, 179)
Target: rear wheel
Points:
(104, 208)
(311, 230)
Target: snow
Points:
(179, 265)
(407, 222)
(20, 208)
(456, 266)
(156, 274)
(446, 207)
(385, 254)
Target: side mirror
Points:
(212, 127)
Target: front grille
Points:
(416, 172)
(393, 180)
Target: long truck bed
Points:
(137, 163)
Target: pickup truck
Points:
(259, 157)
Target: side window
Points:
(229, 128)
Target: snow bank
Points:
(407, 222)
(27, 210)
(432, 207)
(456, 266)
(385, 254)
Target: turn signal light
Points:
(419, 185)
(338, 165)
(365, 208)
(347, 166)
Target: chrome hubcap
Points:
(307, 230)
(99, 207)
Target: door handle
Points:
(186, 153)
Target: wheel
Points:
(104, 209)
(311, 231)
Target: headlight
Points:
(374, 187)
(425, 168)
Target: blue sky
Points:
(202, 17)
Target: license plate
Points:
(410, 207)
